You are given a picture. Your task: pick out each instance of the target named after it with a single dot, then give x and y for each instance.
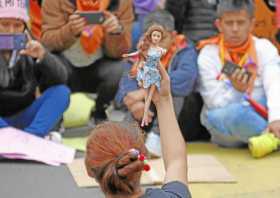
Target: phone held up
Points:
(230, 67)
(13, 41)
(92, 17)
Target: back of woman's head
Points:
(110, 158)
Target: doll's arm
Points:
(163, 51)
(133, 54)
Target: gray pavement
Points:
(21, 179)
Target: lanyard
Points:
(223, 54)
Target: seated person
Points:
(266, 22)
(194, 18)
(227, 114)
(21, 72)
(87, 48)
(118, 167)
(180, 61)
(141, 9)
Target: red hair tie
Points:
(142, 158)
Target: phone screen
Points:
(229, 68)
(13, 41)
(93, 17)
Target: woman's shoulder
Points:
(170, 190)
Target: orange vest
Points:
(266, 25)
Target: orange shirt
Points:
(266, 25)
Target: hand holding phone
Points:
(239, 77)
(230, 68)
(33, 49)
(76, 24)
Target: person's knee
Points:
(62, 94)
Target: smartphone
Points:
(93, 17)
(13, 41)
(230, 67)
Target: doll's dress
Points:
(149, 73)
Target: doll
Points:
(145, 70)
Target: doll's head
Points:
(110, 160)
(153, 36)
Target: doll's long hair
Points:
(107, 147)
(144, 44)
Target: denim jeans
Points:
(43, 114)
(234, 124)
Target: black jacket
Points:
(194, 18)
(18, 84)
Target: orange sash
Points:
(36, 18)
(92, 38)
(180, 42)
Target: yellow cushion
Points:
(79, 111)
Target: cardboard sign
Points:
(201, 169)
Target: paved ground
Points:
(256, 178)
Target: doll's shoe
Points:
(153, 144)
(263, 144)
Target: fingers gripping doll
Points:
(145, 70)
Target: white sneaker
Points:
(153, 144)
(54, 137)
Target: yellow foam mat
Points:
(256, 178)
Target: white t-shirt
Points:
(79, 58)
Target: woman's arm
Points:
(172, 142)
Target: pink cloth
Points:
(17, 144)
(14, 9)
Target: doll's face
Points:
(156, 37)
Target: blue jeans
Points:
(234, 124)
(43, 114)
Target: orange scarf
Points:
(178, 44)
(92, 38)
(244, 55)
(36, 18)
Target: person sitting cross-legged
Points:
(233, 99)
(23, 71)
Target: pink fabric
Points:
(14, 9)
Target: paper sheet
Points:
(16, 144)
(201, 169)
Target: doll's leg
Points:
(148, 100)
